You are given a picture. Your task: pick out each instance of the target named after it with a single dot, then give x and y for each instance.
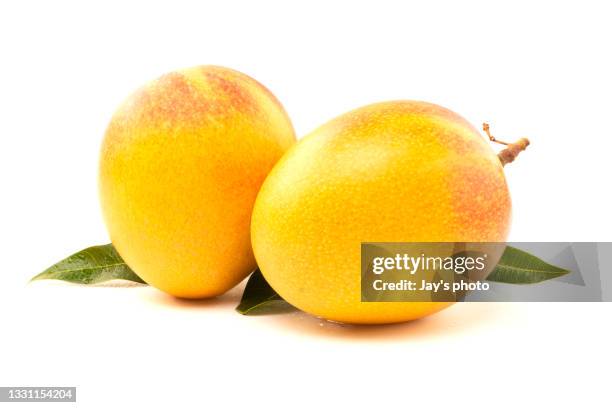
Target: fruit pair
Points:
(181, 173)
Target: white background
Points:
(532, 69)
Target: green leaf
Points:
(259, 298)
(92, 265)
(519, 267)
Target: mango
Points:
(400, 171)
(181, 164)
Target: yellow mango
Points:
(181, 164)
(400, 171)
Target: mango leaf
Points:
(259, 298)
(92, 265)
(520, 268)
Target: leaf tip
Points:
(40, 276)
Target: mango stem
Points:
(512, 150)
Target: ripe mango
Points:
(181, 164)
(400, 171)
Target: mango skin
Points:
(181, 164)
(397, 171)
